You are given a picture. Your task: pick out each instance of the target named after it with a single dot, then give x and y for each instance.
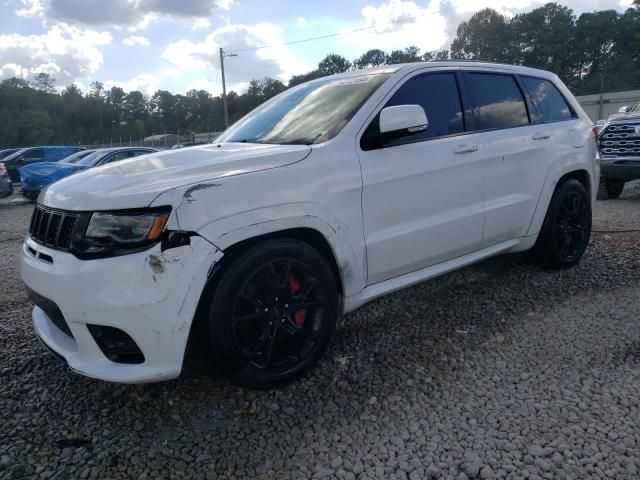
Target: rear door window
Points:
(496, 100)
(551, 105)
(438, 95)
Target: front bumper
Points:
(151, 296)
(626, 169)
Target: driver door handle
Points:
(465, 149)
(541, 136)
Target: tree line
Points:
(595, 51)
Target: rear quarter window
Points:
(551, 105)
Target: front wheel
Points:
(565, 232)
(273, 313)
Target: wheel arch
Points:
(308, 235)
(579, 173)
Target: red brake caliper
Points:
(300, 315)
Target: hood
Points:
(135, 182)
(43, 173)
(624, 116)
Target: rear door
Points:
(517, 153)
(422, 193)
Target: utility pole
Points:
(224, 86)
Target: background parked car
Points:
(7, 151)
(6, 185)
(76, 157)
(187, 144)
(37, 176)
(28, 156)
(619, 149)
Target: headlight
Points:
(120, 232)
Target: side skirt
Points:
(385, 287)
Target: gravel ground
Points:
(499, 370)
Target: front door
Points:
(422, 194)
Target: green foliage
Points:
(597, 50)
(333, 63)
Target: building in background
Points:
(600, 106)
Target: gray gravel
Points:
(500, 370)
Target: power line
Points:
(331, 35)
(270, 67)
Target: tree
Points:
(486, 36)
(44, 82)
(371, 58)
(332, 64)
(435, 56)
(304, 77)
(408, 55)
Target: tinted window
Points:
(118, 156)
(549, 102)
(438, 94)
(497, 101)
(34, 154)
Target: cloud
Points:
(396, 24)
(201, 23)
(301, 20)
(127, 13)
(147, 84)
(65, 52)
(136, 40)
(203, 57)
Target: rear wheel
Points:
(609, 189)
(565, 232)
(273, 313)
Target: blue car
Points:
(37, 176)
(31, 155)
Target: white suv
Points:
(329, 195)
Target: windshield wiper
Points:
(254, 140)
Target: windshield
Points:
(637, 109)
(308, 114)
(75, 157)
(91, 159)
(15, 155)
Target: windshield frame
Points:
(237, 133)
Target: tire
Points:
(257, 336)
(609, 189)
(565, 232)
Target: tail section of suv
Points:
(327, 196)
(619, 151)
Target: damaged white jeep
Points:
(329, 195)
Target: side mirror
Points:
(625, 109)
(410, 118)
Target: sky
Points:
(174, 45)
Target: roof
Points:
(440, 64)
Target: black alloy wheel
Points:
(565, 233)
(273, 313)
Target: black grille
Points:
(53, 228)
(51, 309)
(620, 140)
